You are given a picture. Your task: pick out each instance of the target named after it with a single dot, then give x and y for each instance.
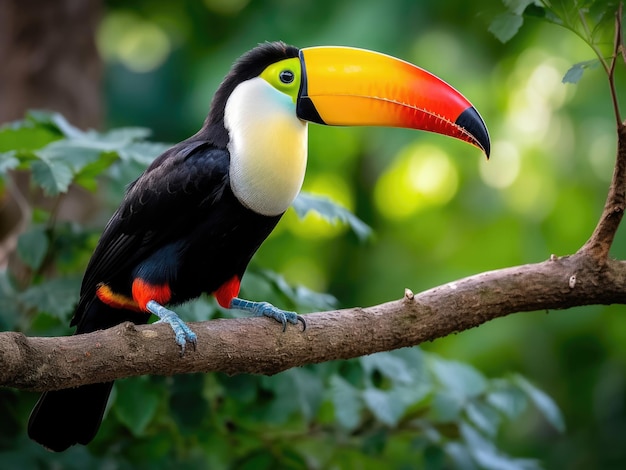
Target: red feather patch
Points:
(144, 292)
(228, 291)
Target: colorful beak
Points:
(343, 86)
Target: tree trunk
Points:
(49, 61)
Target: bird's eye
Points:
(286, 76)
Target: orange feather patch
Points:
(112, 299)
(144, 292)
(228, 291)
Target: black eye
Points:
(286, 76)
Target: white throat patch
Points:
(268, 147)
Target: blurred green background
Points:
(439, 210)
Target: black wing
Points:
(164, 203)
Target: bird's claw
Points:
(265, 309)
(182, 332)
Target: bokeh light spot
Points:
(504, 166)
(421, 176)
(141, 46)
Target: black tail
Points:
(62, 418)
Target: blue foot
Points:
(265, 309)
(182, 332)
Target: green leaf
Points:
(311, 300)
(484, 417)
(76, 154)
(301, 297)
(87, 177)
(488, 457)
(68, 162)
(575, 73)
(388, 365)
(8, 161)
(295, 390)
(32, 247)
(142, 152)
(459, 378)
(506, 25)
(53, 177)
(460, 455)
(10, 307)
(445, 407)
(389, 406)
(56, 297)
(24, 136)
(382, 405)
(331, 211)
(507, 398)
(240, 388)
(126, 135)
(136, 403)
(55, 121)
(543, 402)
(307, 391)
(347, 402)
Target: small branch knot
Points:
(572, 281)
(129, 327)
(408, 294)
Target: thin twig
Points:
(589, 40)
(617, 45)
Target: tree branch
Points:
(257, 345)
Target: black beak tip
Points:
(471, 121)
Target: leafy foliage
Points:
(591, 20)
(59, 154)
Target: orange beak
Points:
(343, 86)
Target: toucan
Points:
(193, 220)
